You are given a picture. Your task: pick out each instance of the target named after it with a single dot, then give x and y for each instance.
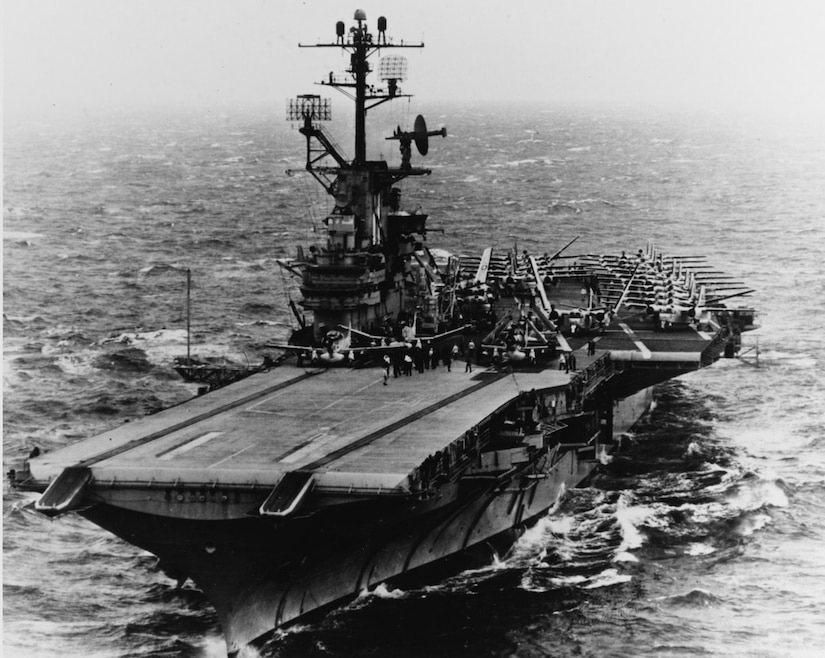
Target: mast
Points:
(360, 68)
(360, 276)
(362, 45)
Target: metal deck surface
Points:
(336, 420)
(633, 338)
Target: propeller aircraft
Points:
(337, 348)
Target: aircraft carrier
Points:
(426, 405)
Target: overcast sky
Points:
(89, 54)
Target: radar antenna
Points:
(420, 135)
(361, 44)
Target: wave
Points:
(82, 258)
(382, 591)
(22, 237)
(699, 548)
(257, 308)
(749, 524)
(755, 495)
(695, 598)
(101, 209)
(137, 352)
(631, 518)
(129, 360)
(160, 269)
(607, 578)
(194, 209)
(559, 207)
(24, 320)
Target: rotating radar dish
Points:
(422, 135)
(422, 139)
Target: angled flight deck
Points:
(328, 421)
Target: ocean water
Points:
(703, 538)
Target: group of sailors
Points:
(439, 465)
(421, 357)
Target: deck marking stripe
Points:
(232, 456)
(392, 427)
(189, 445)
(318, 410)
(646, 353)
(318, 441)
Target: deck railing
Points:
(584, 383)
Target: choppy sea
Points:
(705, 537)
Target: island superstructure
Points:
(431, 403)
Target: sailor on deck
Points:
(471, 348)
(387, 364)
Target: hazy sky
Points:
(87, 54)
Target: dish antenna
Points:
(420, 135)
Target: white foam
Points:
(383, 592)
(160, 346)
(698, 548)
(76, 364)
(380, 591)
(762, 493)
(545, 585)
(560, 525)
(532, 544)
(750, 524)
(23, 319)
(215, 647)
(607, 578)
(20, 235)
(629, 517)
(568, 580)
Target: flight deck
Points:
(328, 421)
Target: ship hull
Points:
(261, 574)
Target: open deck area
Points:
(336, 421)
